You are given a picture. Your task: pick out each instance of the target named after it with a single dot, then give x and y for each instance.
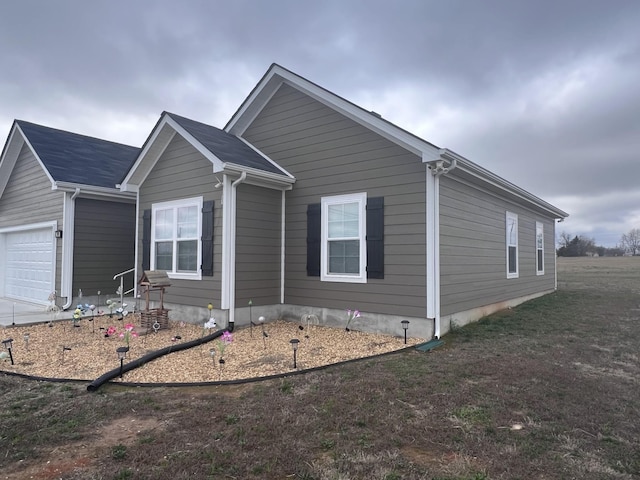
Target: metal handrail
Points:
(121, 289)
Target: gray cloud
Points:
(543, 93)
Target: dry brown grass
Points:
(563, 367)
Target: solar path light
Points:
(294, 344)
(405, 325)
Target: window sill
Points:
(342, 279)
(185, 276)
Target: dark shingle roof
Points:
(74, 158)
(227, 147)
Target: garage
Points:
(29, 264)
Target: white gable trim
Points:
(147, 160)
(277, 75)
(267, 159)
(17, 139)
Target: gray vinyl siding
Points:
(473, 249)
(28, 199)
(330, 154)
(104, 245)
(258, 233)
(183, 172)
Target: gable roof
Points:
(225, 151)
(277, 75)
(227, 147)
(73, 158)
(430, 154)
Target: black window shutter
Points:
(313, 240)
(207, 238)
(146, 240)
(375, 237)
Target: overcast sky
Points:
(545, 94)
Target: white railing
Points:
(121, 289)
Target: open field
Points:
(548, 390)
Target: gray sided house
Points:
(307, 204)
(64, 225)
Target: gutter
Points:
(101, 192)
(67, 247)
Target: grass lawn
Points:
(547, 390)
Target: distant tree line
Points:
(581, 246)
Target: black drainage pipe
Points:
(93, 386)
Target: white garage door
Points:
(29, 265)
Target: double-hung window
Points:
(344, 247)
(512, 245)
(539, 248)
(175, 237)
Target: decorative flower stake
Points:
(222, 344)
(351, 314)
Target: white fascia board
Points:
(285, 172)
(260, 177)
(10, 156)
(253, 104)
(218, 164)
(146, 160)
(278, 75)
(94, 191)
(35, 154)
(143, 163)
(490, 178)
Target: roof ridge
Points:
(67, 132)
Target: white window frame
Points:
(539, 233)
(325, 275)
(512, 217)
(174, 205)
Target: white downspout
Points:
(232, 250)
(68, 222)
(433, 263)
(282, 250)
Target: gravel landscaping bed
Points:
(84, 353)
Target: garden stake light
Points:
(294, 343)
(405, 325)
(212, 321)
(264, 334)
(64, 349)
(26, 341)
(122, 354)
(93, 325)
(250, 319)
(7, 344)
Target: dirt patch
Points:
(76, 457)
(85, 353)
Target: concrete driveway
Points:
(22, 313)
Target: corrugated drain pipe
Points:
(93, 386)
